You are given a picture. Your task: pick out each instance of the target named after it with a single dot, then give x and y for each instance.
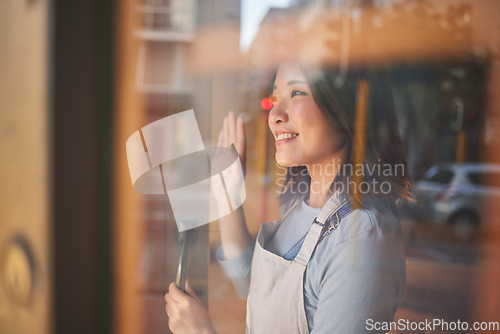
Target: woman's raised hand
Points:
(233, 132)
(186, 313)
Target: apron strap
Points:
(334, 221)
(309, 245)
(317, 232)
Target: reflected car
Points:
(454, 194)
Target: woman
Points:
(334, 261)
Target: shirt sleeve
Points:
(361, 287)
(238, 269)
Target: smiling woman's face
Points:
(303, 134)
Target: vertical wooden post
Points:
(461, 146)
(359, 141)
(127, 232)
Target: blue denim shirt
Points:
(355, 275)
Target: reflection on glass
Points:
(442, 62)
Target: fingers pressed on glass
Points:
(220, 139)
(240, 135)
(232, 127)
(225, 131)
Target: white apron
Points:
(276, 296)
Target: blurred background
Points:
(82, 252)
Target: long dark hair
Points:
(380, 150)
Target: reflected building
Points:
(444, 66)
(68, 109)
(438, 55)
